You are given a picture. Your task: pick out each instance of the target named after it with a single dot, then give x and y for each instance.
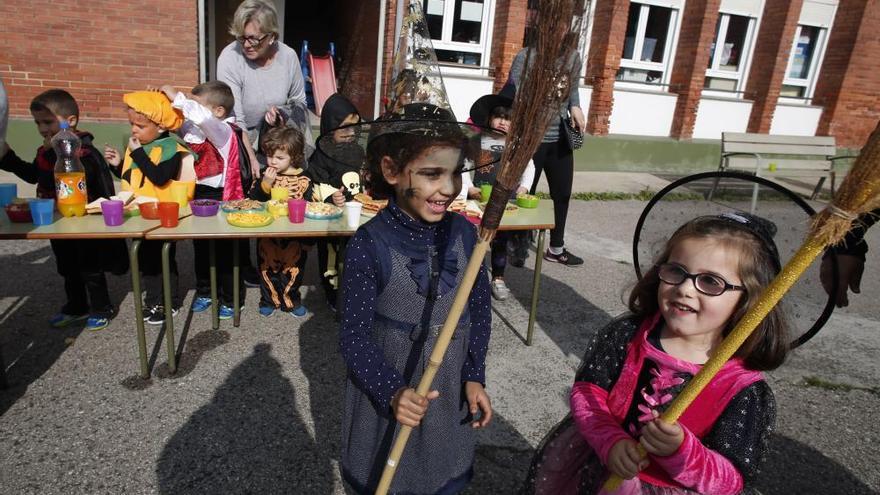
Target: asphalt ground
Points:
(257, 409)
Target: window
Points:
(459, 29)
(729, 52)
(803, 65)
(647, 45)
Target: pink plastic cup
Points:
(112, 211)
(169, 214)
(296, 210)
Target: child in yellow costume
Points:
(153, 161)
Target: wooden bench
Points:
(770, 156)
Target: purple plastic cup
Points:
(296, 210)
(112, 211)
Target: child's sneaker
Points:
(299, 311)
(95, 323)
(225, 312)
(158, 315)
(148, 312)
(266, 310)
(564, 258)
(499, 289)
(200, 304)
(61, 320)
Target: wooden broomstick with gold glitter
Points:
(544, 89)
(859, 193)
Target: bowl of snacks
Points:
(150, 210)
(527, 201)
(322, 211)
(249, 219)
(19, 211)
(240, 205)
(277, 207)
(204, 207)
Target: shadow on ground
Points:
(564, 315)
(29, 346)
(794, 467)
(250, 436)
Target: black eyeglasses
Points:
(251, 40)
(707, 283)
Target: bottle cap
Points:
(64, 125)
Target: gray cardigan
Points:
(516, 71)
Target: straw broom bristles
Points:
(859, 193)
(545, 85)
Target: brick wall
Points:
(507, 37)
(691, 58)
(772, 49)
(96, 50)
(603, 61)
(849, 80)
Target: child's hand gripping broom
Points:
(545, 87)
(859, 193)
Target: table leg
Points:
(236, 273)
(138, 305)
(212, 260)
(169, 316)
(536, 285)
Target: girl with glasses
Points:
(708, 276)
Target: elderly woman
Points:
(263, 72)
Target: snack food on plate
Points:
(527, 200)
(371, 206)
(277, 207)
(249, 219)
(322, 211)
(243, 205)
(458, 205)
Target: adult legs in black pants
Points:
(557, 161)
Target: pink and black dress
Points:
(624, 376)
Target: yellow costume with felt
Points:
(156, 107)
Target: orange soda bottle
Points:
(70, 176)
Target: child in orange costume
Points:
(153, 161)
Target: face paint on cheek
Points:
(410, 192)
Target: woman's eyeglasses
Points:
(251, 41)
(707, 283)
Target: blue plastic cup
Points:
(7, 193)
(42, 211)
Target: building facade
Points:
(678, 68)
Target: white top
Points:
(200, 124)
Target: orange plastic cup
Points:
(169, 213)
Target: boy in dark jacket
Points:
(81, 263)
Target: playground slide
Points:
(323, 76)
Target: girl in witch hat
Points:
(493, 111)
(402, 269)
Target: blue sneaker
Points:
(95, 323)
(299, 311)
(266, 310)
(61, 320)
(200, 304)
(225, 312)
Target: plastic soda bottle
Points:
(70, 176)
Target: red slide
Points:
(323, 77)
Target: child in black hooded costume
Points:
(336, 181)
